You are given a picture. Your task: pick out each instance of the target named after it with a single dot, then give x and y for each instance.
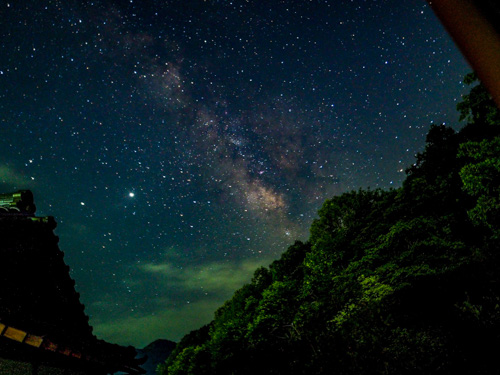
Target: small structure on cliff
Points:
(43, 326)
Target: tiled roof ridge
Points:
(39, 306)
(52, 261)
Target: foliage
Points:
(402, 281)
(481, 179)
(477, 107)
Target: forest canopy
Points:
(404, 281)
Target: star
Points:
(232, 133)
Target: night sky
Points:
(181, 144)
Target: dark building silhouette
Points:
(43, 326)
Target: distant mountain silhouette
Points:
(156, 352)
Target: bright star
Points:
(131, 194)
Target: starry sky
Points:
(181, 144)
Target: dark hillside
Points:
(404, 281)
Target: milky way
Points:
(182, 144)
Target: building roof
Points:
(40, 309)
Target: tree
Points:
(403, 281)
(481, 179)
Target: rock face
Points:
(156, 352)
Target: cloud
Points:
(219, 278)
(171, 324)
(201, 289)
(14, 179)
